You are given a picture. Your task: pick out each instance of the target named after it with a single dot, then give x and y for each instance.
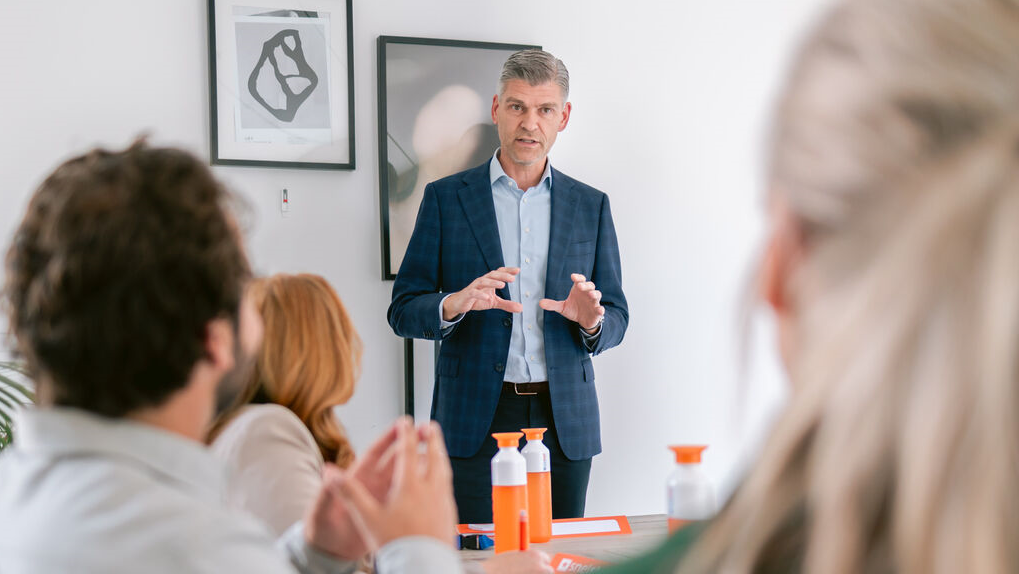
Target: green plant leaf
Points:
(9, 383)
(14, 394)
(13, 366)
(7, 406)
(18, 397)
(20, 388)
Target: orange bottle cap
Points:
(534, 434)
(507, 439)
(688, 454)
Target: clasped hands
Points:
(582, 305)
(402, 486)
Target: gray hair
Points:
(535, 67)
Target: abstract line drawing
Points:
(281, 83)
(283, 58)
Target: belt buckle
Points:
(516, 390)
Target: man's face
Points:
(247, 342)
(529, 118)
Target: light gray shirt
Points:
(83, 493)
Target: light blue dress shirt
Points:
(524, 219)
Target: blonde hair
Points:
(896, 150)
(309, 360)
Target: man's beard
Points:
(235, 381)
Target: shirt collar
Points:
(61, 431)
(495, 171)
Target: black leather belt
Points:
(526, 388)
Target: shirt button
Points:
(527, 230)
(532, 357)
(507, 322)
(527, 260)
(499, 367)
(525, 200)
(529, 327)
(528, 294)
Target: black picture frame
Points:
(448, 71)
(314, 129)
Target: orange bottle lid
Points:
(507, 439)
(534, 434)
(688, 454)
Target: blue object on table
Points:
(474, 542)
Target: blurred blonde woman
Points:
(279, 434)
(893, 266)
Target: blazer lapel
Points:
(564, 212)
(479, 208)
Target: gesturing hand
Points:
(480, 295)
(582, 305)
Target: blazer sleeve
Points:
(608, 278)
(414, 309)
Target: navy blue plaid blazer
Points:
(455, 241)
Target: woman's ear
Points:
(781, 257)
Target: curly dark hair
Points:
(121, 261)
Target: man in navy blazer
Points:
(515, 267)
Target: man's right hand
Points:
(480, 295)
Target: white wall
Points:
(670, 106)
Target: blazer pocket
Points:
(580, 248)
(448, 366)
(588, 370)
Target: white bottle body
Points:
(690, 495)
(509, 468)
(537, 456)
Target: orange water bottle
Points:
(539, 485)
(509, 493)
(690, 495)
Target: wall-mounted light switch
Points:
(285, 202)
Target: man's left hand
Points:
(582, 305)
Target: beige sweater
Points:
(274, 467)
(274, 471)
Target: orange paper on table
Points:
(574, 563)
(568, 527)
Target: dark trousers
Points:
(472, 477)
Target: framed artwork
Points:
(281, 83)
(435, 102)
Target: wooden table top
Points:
(649, 531)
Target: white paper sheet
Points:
(585, 527)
